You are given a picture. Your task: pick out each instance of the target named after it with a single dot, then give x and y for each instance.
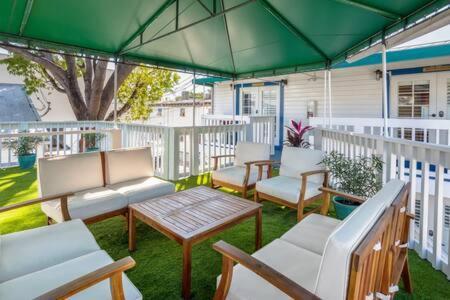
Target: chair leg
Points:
(49, 220)
(406, 277)
(256, 197)
(300, 211)
(244, 193)
(326, 204)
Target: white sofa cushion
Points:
(287, 188)
(71, 173)
(246, 152)
(35, 249)
(312, 232)
(35, 284)
(128, 164)
(87, 204)
(142, 189)
(297, 264)
(235, 175)
(295, 161)
(335, 266)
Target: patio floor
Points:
(158, 270)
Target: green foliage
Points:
(360, 176)
(143, 87)
(92, 139)
(24, 145)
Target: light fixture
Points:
(378, 75)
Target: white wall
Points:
(171, 116)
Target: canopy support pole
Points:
(115, 93)
(330, 115)
(233, 92)
(385, 101)
(193, 103)
(325, 111)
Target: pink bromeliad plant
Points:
(295, 135)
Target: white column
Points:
(325, 77)
(385, 101)
(193, 104)
(330, 115)
(115, 94)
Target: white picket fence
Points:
(426, 166)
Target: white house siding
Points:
(223, 98)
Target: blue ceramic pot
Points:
(92, 149)
(343, 207)
(27, 161)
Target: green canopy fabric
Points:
(228, 38)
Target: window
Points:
(269, 103)
(182, 112)
(159, 112)
(247, 104)
(413, 99)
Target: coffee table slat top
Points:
(194, 211)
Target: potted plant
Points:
(295, 135)
(359, 176)
(24, 148)
(91, 141)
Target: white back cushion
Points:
(251, 151)
(71, 173)
(295, 161)
(128, 164)
(335, 266)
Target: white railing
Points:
(432, 131)
(57, 138)
(426, 166)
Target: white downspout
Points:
(385, 101)
(325, 77)
(115, 94)
(330, 115)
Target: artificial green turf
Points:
(158, 271)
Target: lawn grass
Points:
(158, 271)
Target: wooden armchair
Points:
(243, 174)
(112, 271)
(297, 186)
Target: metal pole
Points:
(330, 115)
(234, 101)
(385, 101)
(324, 98)
(115, 93)
(193, 104)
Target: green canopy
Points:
(229, 38)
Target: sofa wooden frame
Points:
(302, 201)
(245, 187)
(112, 271)
(377, 264)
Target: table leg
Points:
(187, 257)
(258, 224)
(131, 231)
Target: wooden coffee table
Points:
(191, 216)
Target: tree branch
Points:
(126, 107)
(87, 77)
(97, 88)
(73, 90)
(123, 71)
(52, 80)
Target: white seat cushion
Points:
(35, 284)
(128, 164)
(142, 189)
(236, 175)
(287, 188)
(297, 264)
(69, 174)
(295, 161)
(335, 266)
(312, 232)
(87, 204)
(246, 151)
(35, 249)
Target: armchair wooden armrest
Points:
(232, 254)
(112, 271)
(309, 173)
(259, 164)
(216, 159)
(269, 163)
(342, 194)
(62, 197)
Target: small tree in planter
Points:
(91, 140)
(24, 148)
(360, 176)
(295, 135)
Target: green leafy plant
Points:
(360, 176)
(295, 135)
(92, 139)
(24, 145)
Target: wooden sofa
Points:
(361, 257)
(98, 185)
(60, 261)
